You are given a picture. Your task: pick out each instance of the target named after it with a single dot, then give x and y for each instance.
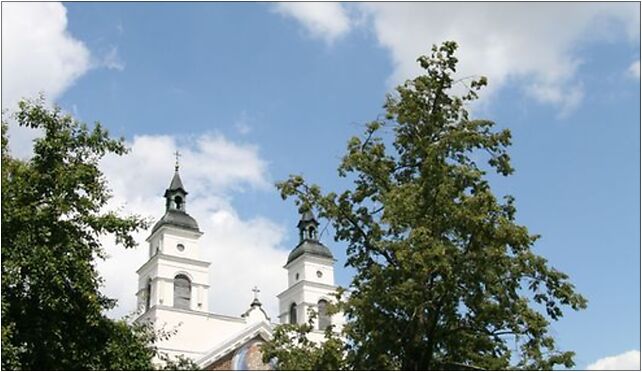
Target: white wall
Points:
(307, 266)
(167, 262)
(196, 332)
(167, 238)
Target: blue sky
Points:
(253, 92)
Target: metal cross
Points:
(177, 154)
(256, 291)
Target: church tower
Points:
(174, 276)
(310, 269)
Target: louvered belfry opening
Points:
(293, 314)
(182, 292)
(148, 295)
(324, 318)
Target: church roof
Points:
(311, 247)
(177, 218)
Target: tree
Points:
(291, 349)
(52, 218)
(445, 277)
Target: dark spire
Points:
(175, 199)
(175, 195)
(176, 184)
(309, 239)
(308, 227)
(307, 216)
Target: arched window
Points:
(293, 313)
(312, 233)
(178, 201)
(182, 292)
(324, 318)
(148, 295)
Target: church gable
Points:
(238, 346)
(247, 356)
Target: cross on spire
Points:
(256, 291)
(177, 154)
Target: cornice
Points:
(170, 228)
(302, 283)
(158, 256)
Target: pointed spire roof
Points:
(306, 218)
(175, 198)
(177, 183)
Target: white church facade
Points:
(173, 292)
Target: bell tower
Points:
(310, 269)
(174, 276)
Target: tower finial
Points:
(177, 154)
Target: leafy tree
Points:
(291, 349)
(52, 218)
(445, 276)
(179, 363)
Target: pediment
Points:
(239, 352)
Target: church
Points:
(173, 292)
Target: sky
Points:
(250, 93)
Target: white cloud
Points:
(38, 55)
(327, 21)
(243, 252)
(634, 69)
(567, 100)
(629, 360)
(532, 43)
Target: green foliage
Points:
(291, 349)
(179, 363)
(52, 219)
(445, 277)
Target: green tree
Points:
(52, 219)
(445, 276)
(291, 349)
